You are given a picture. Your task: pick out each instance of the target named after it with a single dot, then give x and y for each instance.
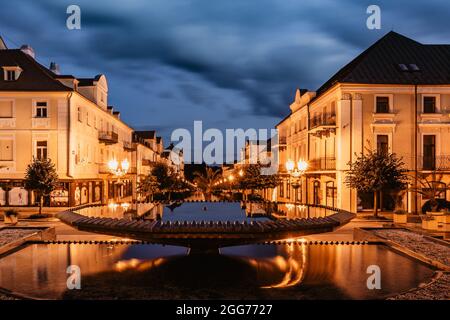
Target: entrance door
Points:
(316, 193)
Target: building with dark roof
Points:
(45, 114)
(394, 97)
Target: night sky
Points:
(232, 64)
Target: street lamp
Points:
(296, 172)
(118, 170)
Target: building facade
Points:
(394, 97)
(44, 114)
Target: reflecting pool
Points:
(207, 211)
(289, 271)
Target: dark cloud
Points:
(184, 58)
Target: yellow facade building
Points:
(44, 114)
(393, 97)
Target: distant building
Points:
(394, 97)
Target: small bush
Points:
(11, 213)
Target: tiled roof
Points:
(34, 76)
(379, 64)
(148, 134)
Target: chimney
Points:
(117, 114)
(54, 67)
(28, 50)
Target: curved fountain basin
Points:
(276, 271)
(207, 235)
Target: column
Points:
(343, 152)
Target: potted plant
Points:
(400, 216)
(11, 216)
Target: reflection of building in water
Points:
(294, 211)
(32, 268)
(124, 210)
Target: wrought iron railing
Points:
(108, 136)
(326, 163)
(324, 119)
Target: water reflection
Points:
(208, 211)
(293, 271)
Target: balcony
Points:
(108, 137)
(129, 146)
(322, 164)
(147, 162)
(104, 169)
(323, 124)
(430, 163)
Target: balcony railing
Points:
(108, 137)
(439, 163)
(322, 164)
(148, 162)
(129, 146)
(324, 119)
(103, 168)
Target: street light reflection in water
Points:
(287, 271)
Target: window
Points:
(6, 109)
(429, 152)
(429, 104)
(382, 105)
(41, 150)
(6, 150)
(87, 119)
(79, 114)
(10, 75)
(382, 143)
(41, 109)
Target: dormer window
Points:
(11, 73)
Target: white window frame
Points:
(17, 72)
(389, 134)
(391, 102)
(35, 107)
(438, 102)
(438, 141)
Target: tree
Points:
(374, 172)
(430, 187)
(42, 178)
(167, 179)
(206, 181)
(148, 186)
(252, 179)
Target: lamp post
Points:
(296, 172)
(118, 170)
